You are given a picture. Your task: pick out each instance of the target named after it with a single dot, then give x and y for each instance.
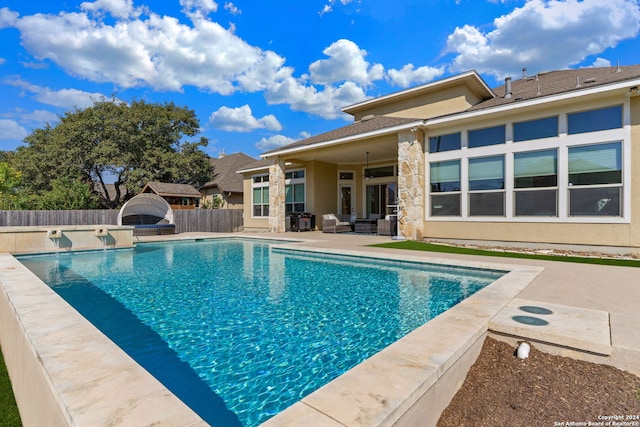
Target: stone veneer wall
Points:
(276, 197)
(411, 181)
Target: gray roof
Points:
(357, 128)
(559, 82)
(225, 173)
(173, 190)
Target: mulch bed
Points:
(542, 390)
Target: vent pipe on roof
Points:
(618, 69)
(577, 81)
(539, 91)
(524, 72)
(507, 88)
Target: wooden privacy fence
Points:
(204, 220)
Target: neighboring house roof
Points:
(171, 190)
(225, 170)
(111, 191)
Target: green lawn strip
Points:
(430, 247)
(8, 408)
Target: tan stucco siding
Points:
(322, 184)
(446, 101)
(635, 176)
(561, 233)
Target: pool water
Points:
(240, 330)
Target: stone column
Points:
(276, 196)
(411, 182)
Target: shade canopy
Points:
(145, 206)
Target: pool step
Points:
(570, 327)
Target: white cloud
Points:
(116, 8)
(241, 119)
(65, 98)
(346, 62)
(326, 103)
(273, 142)
(164, 54)
(544, 34)
(11, 130)
(41, 117)
(409, 75)
(8, 18)
(204, 6)
(2, 61)
(232, 8)
(601, 62)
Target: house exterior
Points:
(179, 196)
(548, 158)
(226, 185)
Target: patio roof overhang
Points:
(381, 144)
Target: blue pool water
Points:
(240, 330)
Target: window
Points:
(535, 129)
(486, 186)
(595, 180)
(379, 197)
(535, 176)
(260, 195)
(346, 175)
(379, 172)
(444, 143)
(486, 136)
(294, 198)
(595, 120)
(445, 178)
(294, 191)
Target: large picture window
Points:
(595, 180)
(595, 120)
(445, 188)
(260, 195)
(535, 176)
(486, 186)
(486, 136)
(448, 142)
(535, 129)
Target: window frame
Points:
(261, 182)
(560, 143)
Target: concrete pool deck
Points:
(403, 385)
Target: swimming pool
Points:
(240, 330)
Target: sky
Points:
(262, 74)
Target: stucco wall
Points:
(445, 101)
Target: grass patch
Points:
(8, 408)
(430, 247)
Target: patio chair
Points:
(331, 224)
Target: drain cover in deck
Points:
(530, 320)
(535, 310)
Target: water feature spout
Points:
(55, 235)
(102, 233)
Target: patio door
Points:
(346, 202)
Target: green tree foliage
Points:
(112, 141)
(10, 180)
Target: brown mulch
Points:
(542, 390)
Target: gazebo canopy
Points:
(145, 208)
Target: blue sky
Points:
(261, 74)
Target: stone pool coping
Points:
(66, 372)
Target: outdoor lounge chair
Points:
(331, 224)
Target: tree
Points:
(112, 141)
(9, 181)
